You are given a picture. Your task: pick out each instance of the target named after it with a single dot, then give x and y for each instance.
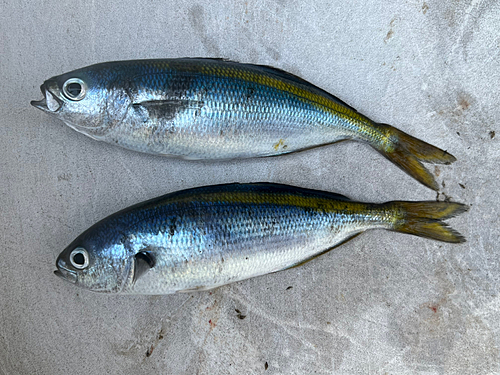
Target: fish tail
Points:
(425, 219)
(408, 152)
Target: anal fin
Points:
(200, 288)
(323, 252)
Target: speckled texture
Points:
(203, 238)
(203, 109)
(217, 109)
(382, 303)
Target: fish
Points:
(216, 109)
(206, 237)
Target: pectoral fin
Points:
(164, 109)
(144, 261)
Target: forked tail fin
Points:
(408, 152)
(425, 219)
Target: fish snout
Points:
(50, 102)
(63, 271)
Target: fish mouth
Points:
(65, 273)
(50, 102)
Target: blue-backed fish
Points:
(203, 238)
(198, 108)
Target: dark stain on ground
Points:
(425, 8)
(67, 176)
(458, 133)
(446, 198)
(239, 314)
(492, 134)
(213, 306)
(274, 54)
(266, 366)
(212, 324)
(457, 105)
(152, 347)
(390, 33)
(440, 333)
(461, 185)
(463, 103)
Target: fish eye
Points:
(74, 89)
(79, 258)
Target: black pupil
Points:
(74, 89)
(79, 259)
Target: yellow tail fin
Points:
(407, 152)
(425, 219)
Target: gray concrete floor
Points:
(384, 303)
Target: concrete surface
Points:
(384, 303)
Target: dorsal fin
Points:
(273, 187)
(283, 75)
(296, 79)
(292, 77)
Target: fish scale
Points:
(215, 109)
(202, 238)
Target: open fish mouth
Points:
(50, 103)
(65, 273)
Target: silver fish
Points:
(203, 238)
(217, 109)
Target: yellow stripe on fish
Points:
(202, 109)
